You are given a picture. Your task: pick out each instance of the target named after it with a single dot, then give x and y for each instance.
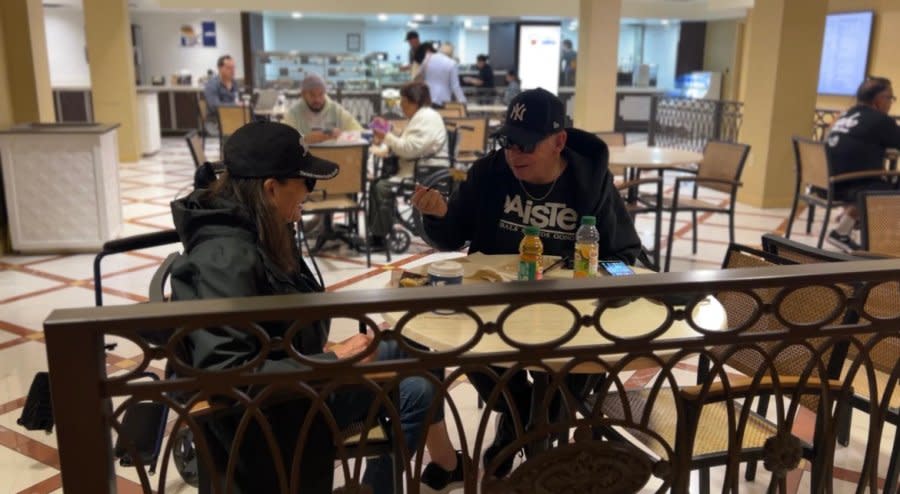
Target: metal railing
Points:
(89, 400)
(689, 123)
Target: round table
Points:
(644, 157)
(544, 322)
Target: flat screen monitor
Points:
(845, 52)
(539, 56)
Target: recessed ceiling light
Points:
(467, 23)
(412, 25)
(484, 28)
(382, 17)
(297, 15)
(418, 17)
(664, 22)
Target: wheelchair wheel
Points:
(399, 240)
(185, 456)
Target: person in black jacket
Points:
(238, 243)
(547, 176)
(857, 142)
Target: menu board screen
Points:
(845, 52)
(539, 56)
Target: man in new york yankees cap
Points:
(545, 175)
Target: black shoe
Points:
(505, 436)
(843, 242)
(440, 480)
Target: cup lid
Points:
(446, 269)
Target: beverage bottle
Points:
(587, 248)
(531, 255)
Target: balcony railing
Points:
(803, 314)
(689, 123)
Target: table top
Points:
(642, 156)
(545, 322)
(475, 108)
(346, 138)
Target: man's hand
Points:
(352, 347)
(429, 202)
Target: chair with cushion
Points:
(231, 118)
(815, 183)
(880, 222)
(704, 408)
(195, 146)
(458, 107)
(721, 169)
(452, 111)
(346, 193)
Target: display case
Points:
(286, 70)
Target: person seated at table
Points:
(238, 242)
(316, 115)
(423, 139)
(857, 142)
(545, 176)
(513, 86)
(220, 90)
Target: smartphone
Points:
(616, 268)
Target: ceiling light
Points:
(418, 17)
(382, 17)
(664, 22)
(467, 23)
(297, 15)
(412, 25)
(484, 28)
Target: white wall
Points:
(476, 44)
(164, 55)
(66, 48)
(661, 49)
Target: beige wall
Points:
(27, 69)
(6, 114)
(722, 52)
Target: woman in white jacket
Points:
(424, 140)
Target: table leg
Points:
(538, 412)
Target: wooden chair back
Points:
(351, 159)
(723, 160)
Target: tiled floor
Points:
(32, 286)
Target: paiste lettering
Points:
(517, 112)
(549, 215)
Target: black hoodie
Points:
(222, 259)
(475, 209)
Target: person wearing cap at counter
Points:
(412, 38)
(238, 242)
(545, 176)
(317, 116)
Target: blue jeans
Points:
(415, 397)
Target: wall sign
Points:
(209, 33)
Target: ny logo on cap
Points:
(517, 112)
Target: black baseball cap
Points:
(533, 115)
(412, 35)
(273, 150)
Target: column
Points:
(25, 94)
(597, 64)
(781, 84)
(107, 29)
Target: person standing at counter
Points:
(568, 57)
(220, 90)
(485, 77)
(440, 73)
(412, 37)
(316, 115)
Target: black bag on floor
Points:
(37, 415)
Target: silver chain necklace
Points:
(552, 185)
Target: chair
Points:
(458, 107)
(721, 168)
(346, 193)
(815, 183)
(452, 111)
(195, 146)
(707, 439)
(472, 138)
(231, 118)
(202, 116)
(635, 208)
(883, 355)
(127, 244)
(880, 222)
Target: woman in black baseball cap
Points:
(238, 242)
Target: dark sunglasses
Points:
(310, 183)
(506, 143)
